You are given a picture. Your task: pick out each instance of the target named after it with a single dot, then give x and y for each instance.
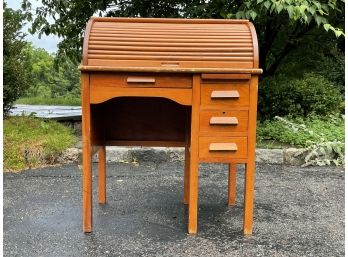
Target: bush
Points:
(301, 132)
(310, 95)
(321, 137)
(318, 53)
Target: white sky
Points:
(47, 42)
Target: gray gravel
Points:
(298, 212)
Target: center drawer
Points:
(225, 95)
(165, 80)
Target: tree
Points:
(16, 75)
(48, 80)
(281, 24)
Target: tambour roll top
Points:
(170, 44)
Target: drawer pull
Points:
(141, 80)
(223, 147)
(224, 94)
(223, 121)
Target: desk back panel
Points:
(143, 119)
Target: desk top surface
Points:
(170, 45)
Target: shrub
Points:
(312, 94)
(322, 138)
(320, 54)
(302, 131)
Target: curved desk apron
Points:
(171, 82)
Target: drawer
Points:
(165, 80)
(225, 95)
(223, 121)
(223, 78)
(223, 147)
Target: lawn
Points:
(31, 142)
(50, 101)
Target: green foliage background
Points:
(301, 47)
(16, 75)
(49, 80)
(301, 53)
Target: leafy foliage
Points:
(304, 11)
(302, 131)
(283, 25)
(50, 81)
(325, 153)
(16, 75)
(312, 94)
(321, 138)
(318, 53)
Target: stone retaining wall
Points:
(289, 156)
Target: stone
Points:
(71, 155)
(269, 156)
(116, 154)
(149, 155)
(294, 156)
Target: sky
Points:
(47, 42)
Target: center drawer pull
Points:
(224, 94)
(141, 79)
(223, 147)
(223, 121)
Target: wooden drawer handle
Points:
(141, 80)
(224, 94)
(223, 121)
(223, 147)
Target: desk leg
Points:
(87, 187)
(187, 175)
(249, 198)
(232, 173)
(250, 165)
(102, 175)
(86, 157)
(194, 159)
(193, 196)
(187, 159)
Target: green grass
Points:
(300, 132)
(31, 142)
(49, 101)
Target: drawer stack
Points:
(224, 117)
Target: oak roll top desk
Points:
(171, 82)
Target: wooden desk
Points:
(171, 82)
